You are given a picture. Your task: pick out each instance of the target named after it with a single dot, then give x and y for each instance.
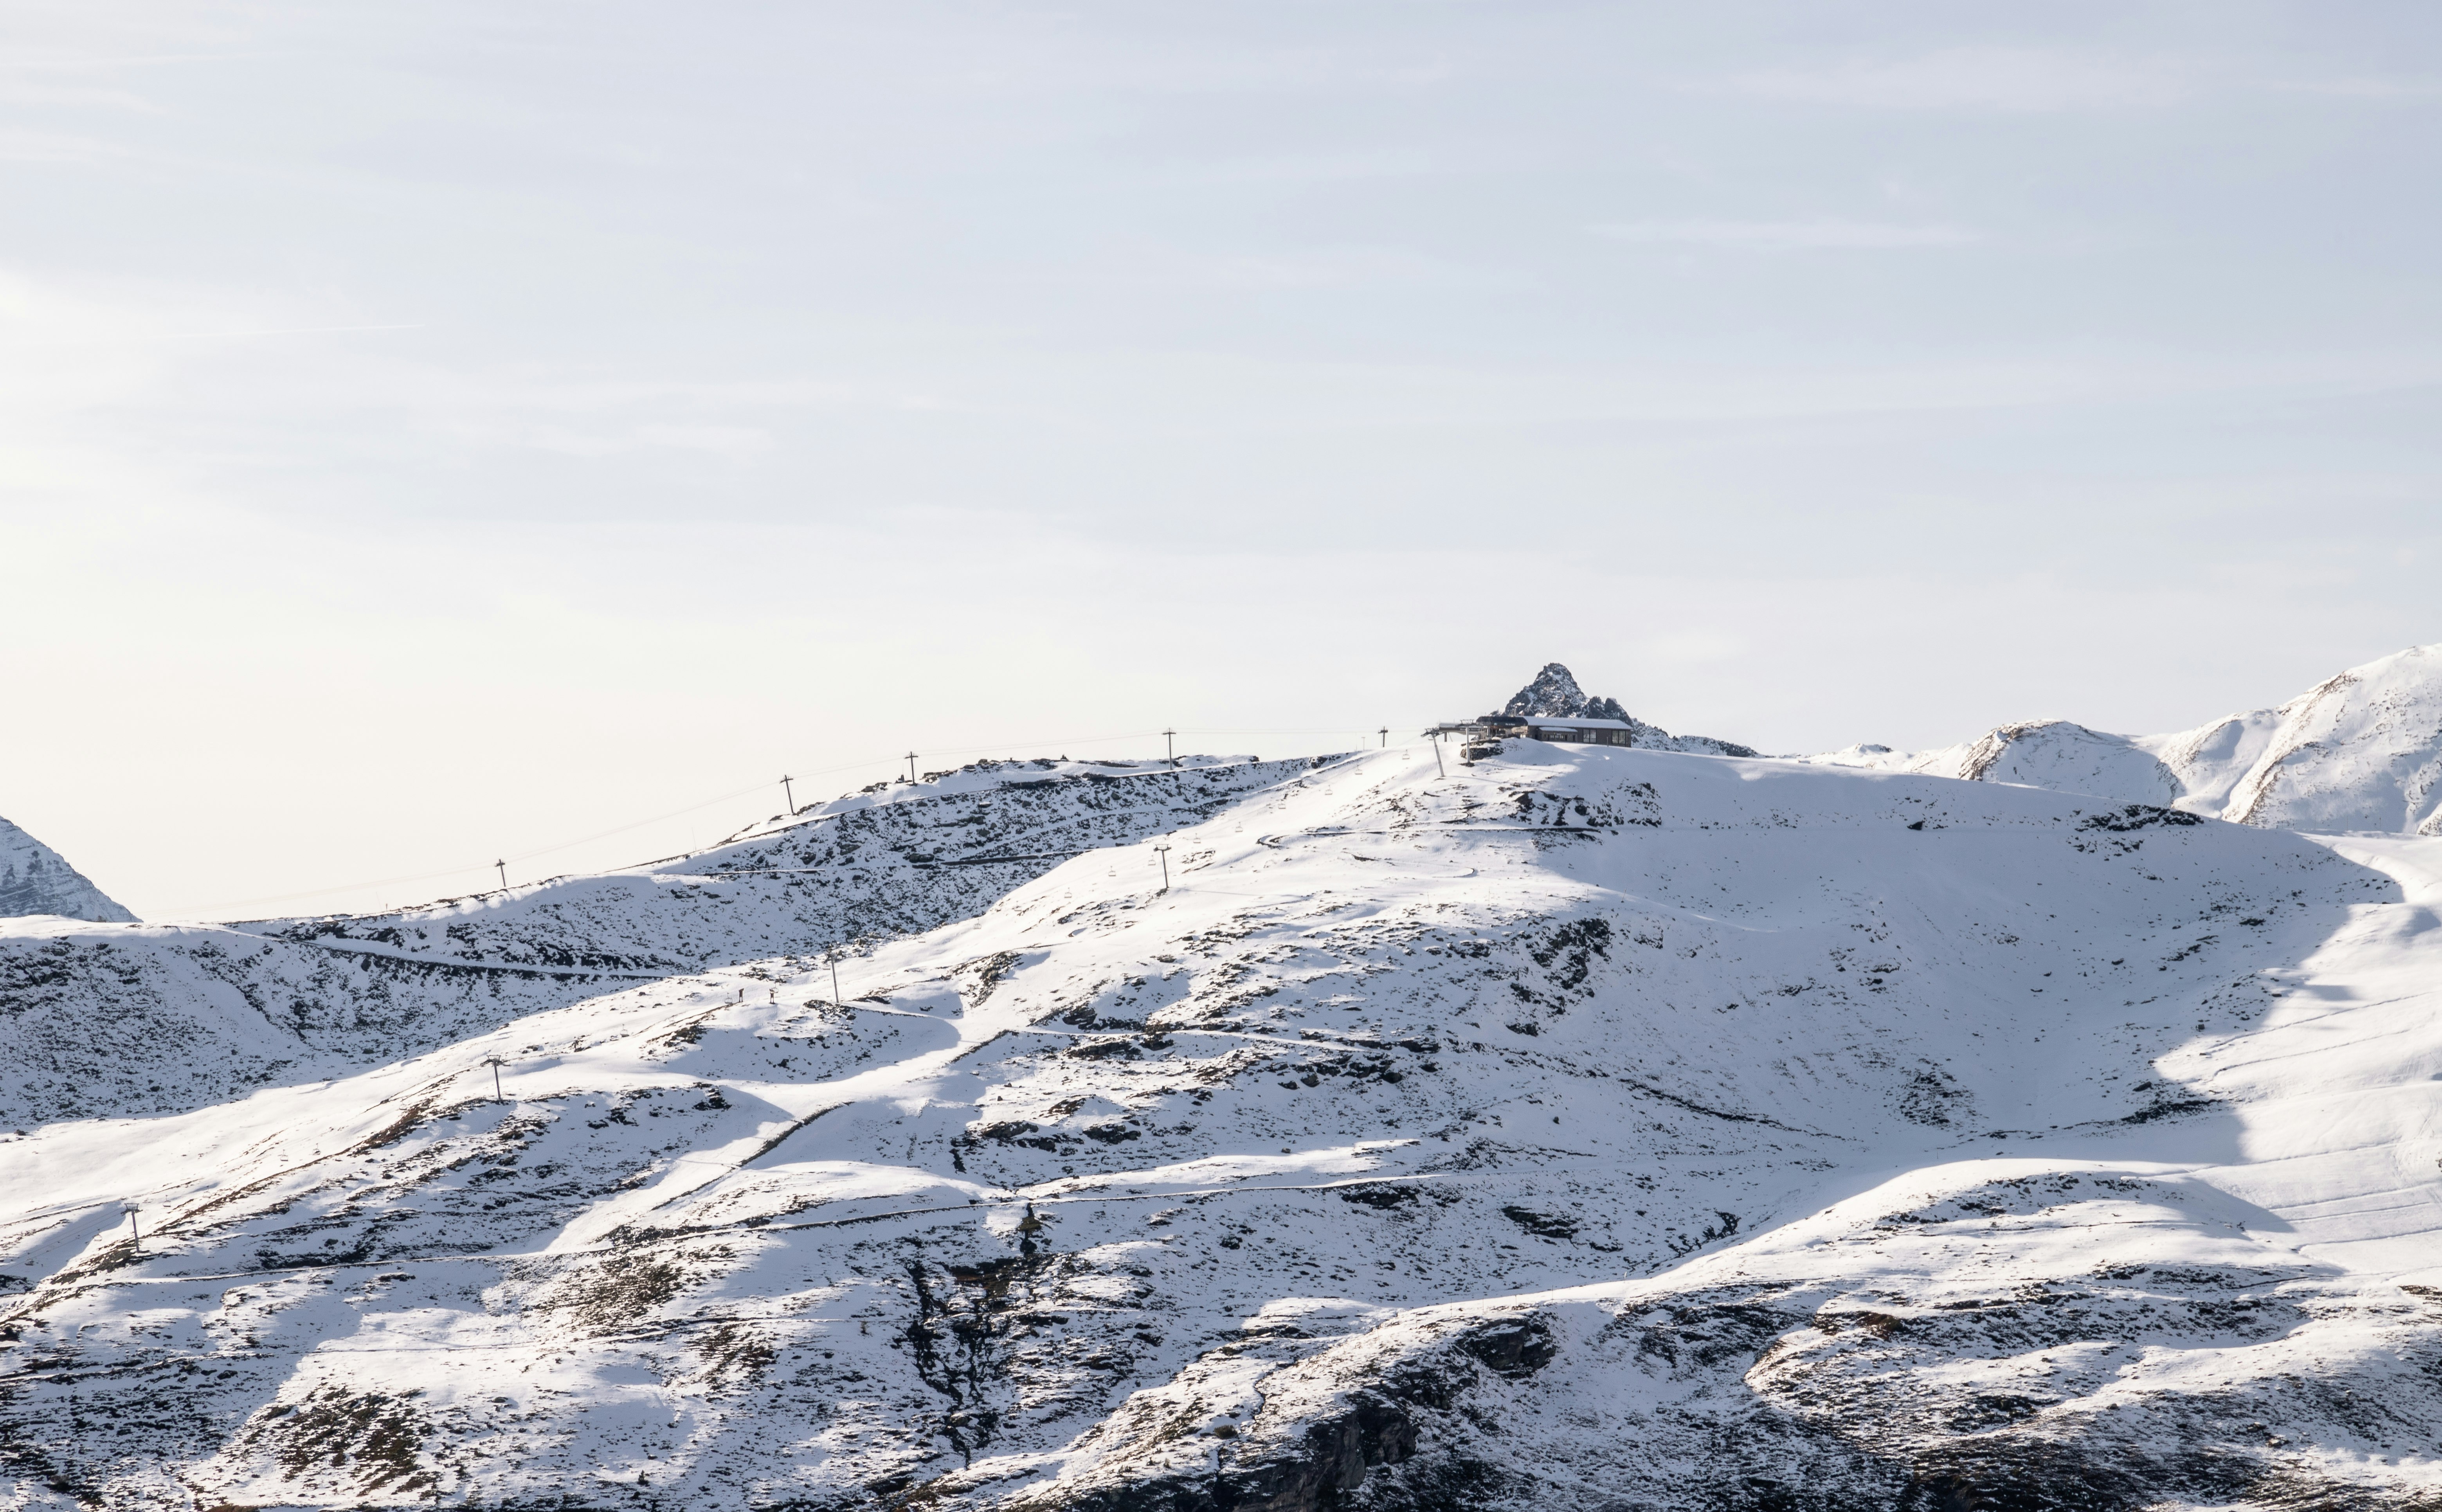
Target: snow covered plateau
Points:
(1584, 1127)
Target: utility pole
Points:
(1170, 747)
(1385, 738)
(505, 874)
(787, 793)
(1439, 770)
(496, 1063)
(1162, 852)
(911, 765)
(134, 1230)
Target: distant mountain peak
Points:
(34, 879)
(1555, 694)
(2360, 751)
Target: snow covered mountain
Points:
(2360, 751)
(1589, 1127)
(1555, 694)
(34, 879)
(108, 1019)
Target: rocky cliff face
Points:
(36, 880)
(1555, 693)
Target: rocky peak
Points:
(1555, 694)
(34, 879)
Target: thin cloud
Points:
(1336, 267)
(285, 330)
(55, 147)
(1776, 236)
(2358, 88)
(29, 94)
(2022, 79)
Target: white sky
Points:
(437, 432)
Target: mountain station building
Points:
(1540, 727)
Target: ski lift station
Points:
(1540, 727)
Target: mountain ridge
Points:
(2360, 751)
(135, 1019)
(1590, 1126)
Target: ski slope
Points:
(131, 1019)
(1658, 1128)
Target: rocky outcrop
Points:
(1375, 1412)
(1555, 694)
(1888, 1355)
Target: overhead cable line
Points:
(194, 910)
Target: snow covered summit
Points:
(34, 879)
(2360, 751)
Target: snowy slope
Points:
(2360, 751)
(1590, 1125)
(897, 858)
(127, 1019)
(34, 879)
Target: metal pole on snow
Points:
(1163, 853)
(911, 765)
(787, 793)
(1169, 747)
(505, 874)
